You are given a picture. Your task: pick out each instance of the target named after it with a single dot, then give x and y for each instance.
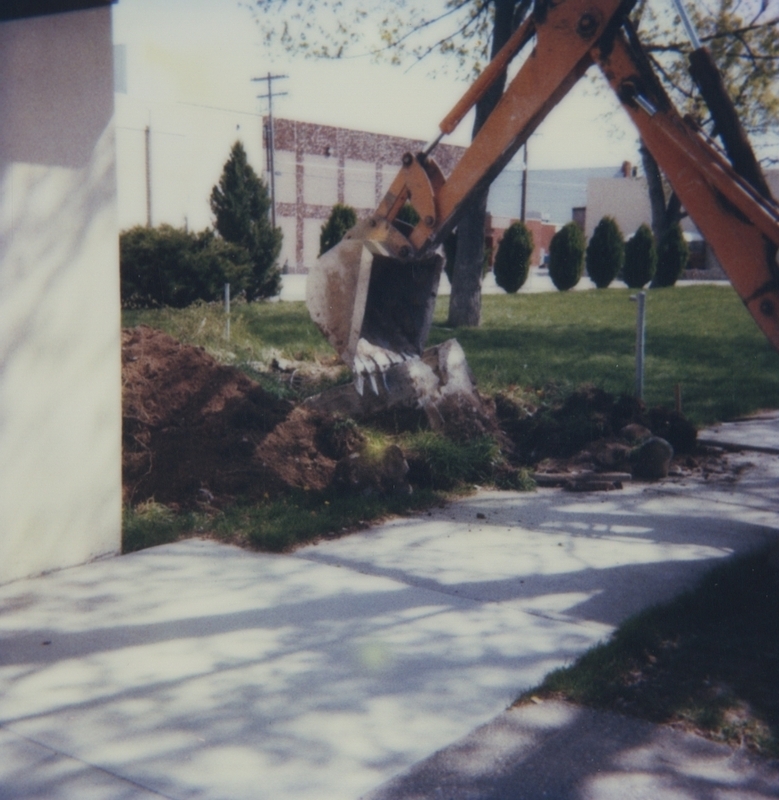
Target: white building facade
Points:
(60, 355)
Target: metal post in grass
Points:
(640, 298)
(227, 311)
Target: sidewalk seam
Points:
(87, 764)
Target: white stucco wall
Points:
(624, 199)
(60, 389)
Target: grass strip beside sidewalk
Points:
(707, 662)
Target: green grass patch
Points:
(255, 329)
(698, 336)
(707, 661)
(275, 526)
(259, 332)
(149, 524)
(444, 464)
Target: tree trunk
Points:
(465, 300)
(664, 213)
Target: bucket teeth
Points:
(381, 359)
(368, 366)
(372, 362)
(361, 369)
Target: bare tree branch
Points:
(461, 30)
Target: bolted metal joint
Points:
(588, 24)
(407, 159)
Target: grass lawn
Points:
(707, 661)
(699, 336)
(257, 330)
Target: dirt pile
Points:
(592, 431)
(197, 432)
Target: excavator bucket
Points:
(372, 299)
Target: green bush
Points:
(340, 220)
(169, 266)
(408, 214)
(241, 207)
(512, 261)
(672, 257)
(566, 257)
(640, 258)
(605, 253)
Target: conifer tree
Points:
(341, 218)
(640, 258)
(241, 205)
(672, 257)
(605, 253)
(512, 261)
(566, 257)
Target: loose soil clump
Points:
(593, 440)
(196, 432)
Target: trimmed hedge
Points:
(672, 257)
(512, 261)
(640, 258)
(566, 257)
(605, 253)
(169, 266)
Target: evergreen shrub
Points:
(605, 253)
(241, 206)
(167, 266)
(341, 219)
(512, 261)
(566, 257)
(640, 258)
(672, 257)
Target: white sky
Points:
(207, 51)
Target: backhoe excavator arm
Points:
(373, 294)
(740, 225)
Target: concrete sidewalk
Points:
(557, 751)
(199, 670)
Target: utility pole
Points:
(147, 143)
(524, 186)
(271, 166)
